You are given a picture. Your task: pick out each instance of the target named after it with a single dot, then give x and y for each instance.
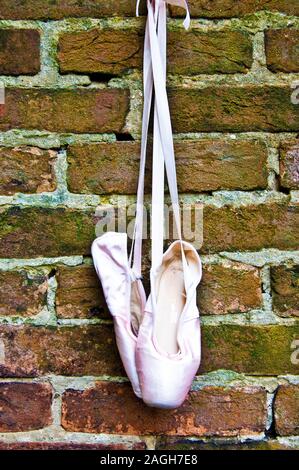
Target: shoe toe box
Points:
(165, 382)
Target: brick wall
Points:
(69, 140)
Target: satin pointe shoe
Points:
(124, 294)
(169, 343)
(168, 348)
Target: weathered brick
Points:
(103, 168)
(77, 350)
(61, 110)
(22, 294)
(185, 443)
(113, 51)
(286, 406)
(60, 9)
(64, 445)
(29, 351)
(210, 165)
(203, 165)
(195, 52)
(230, 288)
(25, 406)
(254, 227)
(109, 51)
(19, 52)
(79, 294)
(38, 231)
(282, 50)
(231, 8)
(256, 350)
(26, 170)
(285, 289)
(233, 109)
(113, 408)
(289, 164)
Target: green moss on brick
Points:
(257, 350)
(40, 231)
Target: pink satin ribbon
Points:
(154, 74)
(178, 3)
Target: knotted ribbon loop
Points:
(178, 3)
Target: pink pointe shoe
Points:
(158, 340)
(124, 295)
(168, 347)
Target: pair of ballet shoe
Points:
(158, 338)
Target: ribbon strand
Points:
(154, 73)
(178, 3)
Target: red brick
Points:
(233, 109)
(287, 410)
(113, 51)
(60, 9)
(203, 165)
(22, 294)
(285, 290)
(210, 165)
(61, 110)
(112, 408)
(272, 225)
(289, 164)
(232, 288)
(231, 8)
(37, 231)
(24, 406)
(26, 170)
(104, 168)
(282, 46)
(30, 351)
(72, 351)
(79, 294)
(19, 52)
(194, 52)
(255, 350)
(31, 445)
(187, 444)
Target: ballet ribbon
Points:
(178, 3)
(154, 73)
